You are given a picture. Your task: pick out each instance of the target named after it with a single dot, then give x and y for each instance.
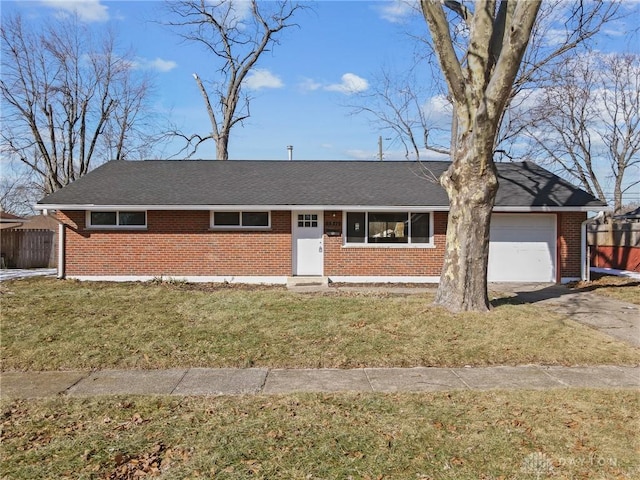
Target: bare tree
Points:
(400, 104)
(236, 33)
(69, 99)
(563, 31)
(480, 79)
(18, 191)
(587, 121)
(397, 105)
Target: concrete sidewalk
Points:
(229, 381)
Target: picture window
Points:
(396, 228)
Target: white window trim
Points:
(212, 226)
(365, 244)
(117, 226)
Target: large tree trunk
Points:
(471, 185)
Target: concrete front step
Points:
(293, 282)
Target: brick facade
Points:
(385, 261)
(177, 243)
(181, 243)
(569, 225)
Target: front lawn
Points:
(49, 324)
(566, 434)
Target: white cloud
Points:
(437, 110)
(158, 64)
(87, 10)
(162, 65)
(262, 78)
(351, 83)
(232, 13)
(309, 85)
(398, 11)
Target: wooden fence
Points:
(615, 245)
(23, 248)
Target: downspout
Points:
(61, 246)
(585, 261)
(61, 237)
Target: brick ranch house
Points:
(266, 221)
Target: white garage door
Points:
(522, 248)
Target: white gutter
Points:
(251, 207)
(585, 261)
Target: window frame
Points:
(117, 226)
(213, 226)
(408, 244)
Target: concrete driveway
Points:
(618, 319)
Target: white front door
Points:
(308, 256)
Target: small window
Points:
(104, 219)
(240, 220)
(309, 220)
(255, 219)
(231, 219)
(356, 231)
(116, 219)
(132, 218)
(420, 228)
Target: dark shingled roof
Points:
(282, 183)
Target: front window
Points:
(409, 228)
(387, 228)
(240, 220)
(116, 219)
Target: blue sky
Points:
(300, 93)
(336, 42)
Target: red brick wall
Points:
(569, 242)
(384, 261)
(177, 243)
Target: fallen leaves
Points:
(148, 464)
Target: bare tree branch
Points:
(69, 100)
(587, 123)
(237, 34)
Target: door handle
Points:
(320, 249)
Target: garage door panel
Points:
(522, 248)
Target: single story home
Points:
(267, 221)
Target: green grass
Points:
(49, 325)
(567, 434)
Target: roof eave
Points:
(441, 208)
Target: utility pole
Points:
(380, 148)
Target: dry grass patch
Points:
(459, 435)
(49, 325)
(620, 288)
